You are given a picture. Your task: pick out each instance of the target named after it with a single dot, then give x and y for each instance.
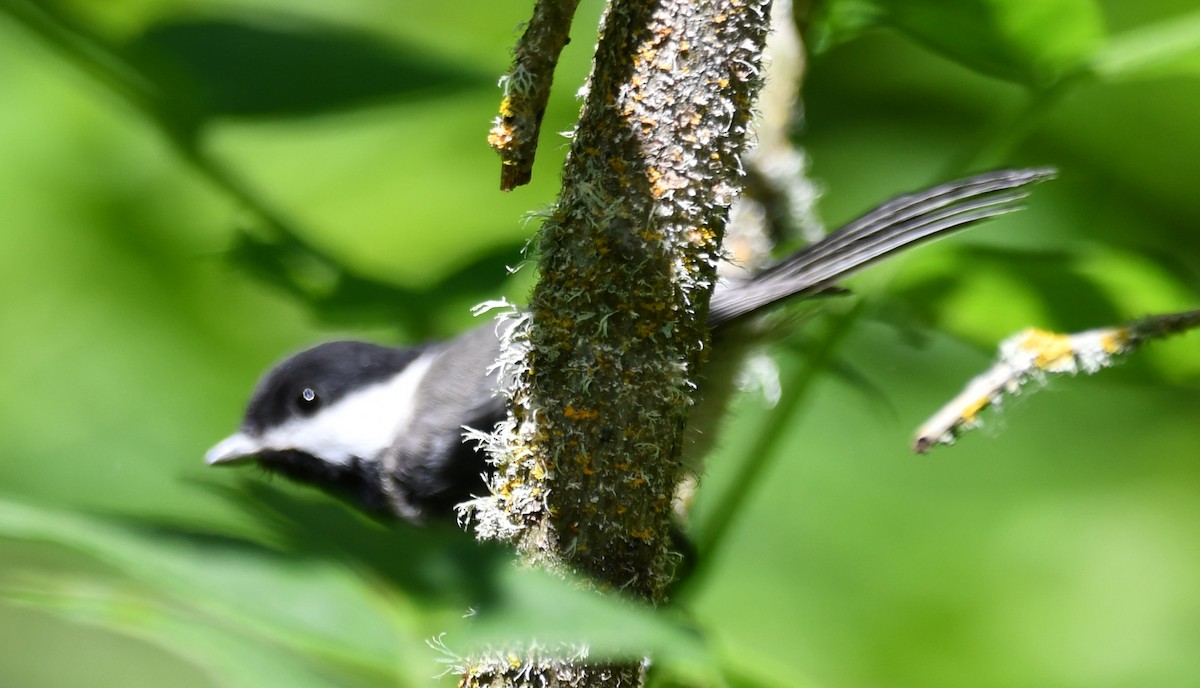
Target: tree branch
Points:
(1033, 355)
(527, 90)
(605, 364)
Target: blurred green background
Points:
(191, 190)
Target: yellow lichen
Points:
(1048, 347)
(971, 412)
(1115, 341)
(501, 136)
(506, 107)
(581, 413)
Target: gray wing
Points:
(901, 222)
(433, 468)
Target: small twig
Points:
(527, 90)
(1032, 355)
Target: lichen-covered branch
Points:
(527, 90)
(1032, 356)
(615, 335)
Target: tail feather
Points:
(901, 222)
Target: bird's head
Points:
(327, 415)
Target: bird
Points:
(383, 427)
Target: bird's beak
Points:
(236, 448)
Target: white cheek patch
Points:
(361, 424)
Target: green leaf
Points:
(539, 605)
(1035, 42)
(1168, 48)
(258, 65)
(299, 603)
(227, 656)
(338, 295)
(358, 608)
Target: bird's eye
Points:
(308, 401)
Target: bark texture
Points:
(604, 363)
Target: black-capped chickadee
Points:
(383, 427)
